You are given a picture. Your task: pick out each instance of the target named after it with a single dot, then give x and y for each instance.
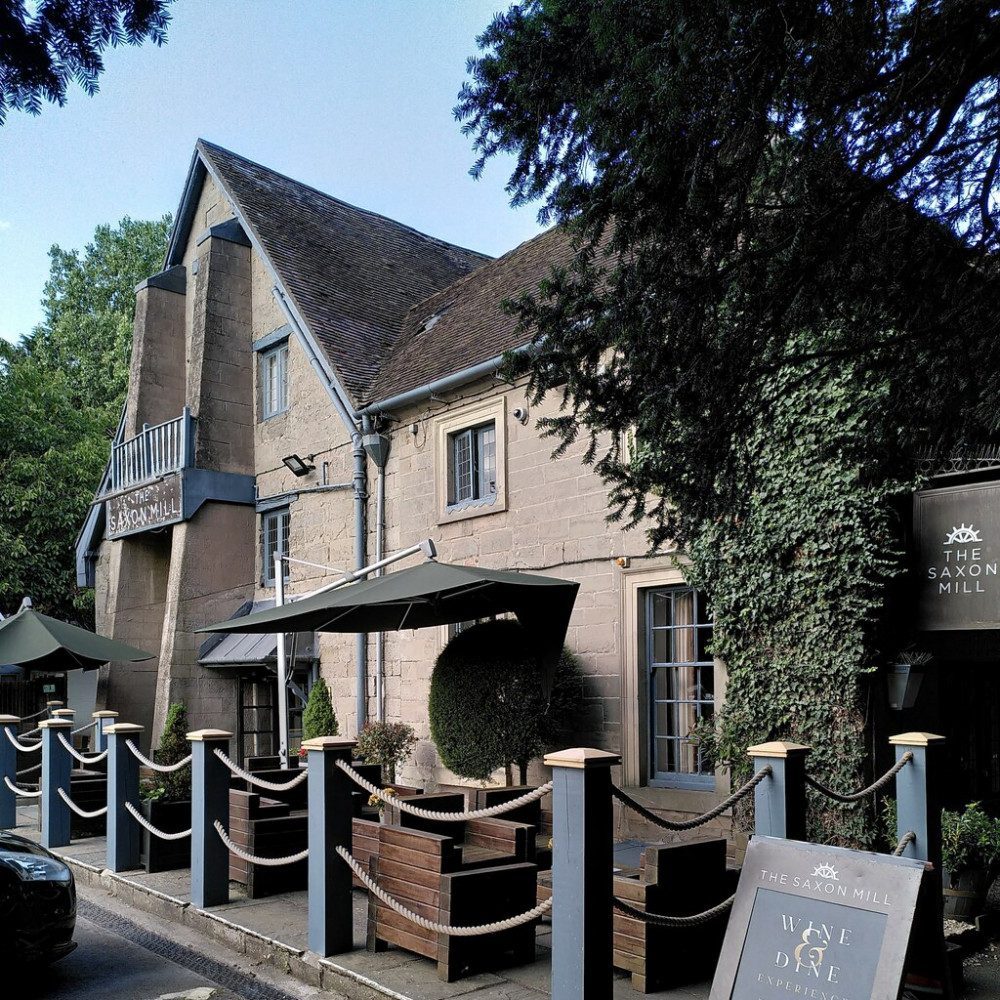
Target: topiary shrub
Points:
(174, 747)
(486, 706)
(318, 717)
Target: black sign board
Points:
(957, 535)
(818, 923)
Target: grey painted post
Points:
(780, 800)
(209, 802)
(52, 707)
(331, 910)
(123, 833)
(582, 864)
(918, 794)
(103, 720)
(56, 766)
(8, 771)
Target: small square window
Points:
(274, 381)
(473, 473)
(274, 527)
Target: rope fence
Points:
(690, 824)
(870, 790)
(664, 920)
(163, 768)
(21, 791)
(253, 858)
(908, 838)
(404, 805)
(103, 811)
(430, 925)
(143, 822)
(82, 758)
(252, 779)
(23, 747)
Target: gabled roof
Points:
(350, 274)
(462, 325)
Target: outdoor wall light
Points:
(299, 466)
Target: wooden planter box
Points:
(156, 854)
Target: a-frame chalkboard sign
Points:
(825, 923)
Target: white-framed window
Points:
(274, 525)
(274, 380)
(473, 467)
(680, 685)
(470, 461)
(669, 680)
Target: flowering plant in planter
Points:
(386, 743)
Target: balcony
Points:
(153, 453)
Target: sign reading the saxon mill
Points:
(957, 534)
(150, 506)
(818, 923)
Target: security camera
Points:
(520, 414)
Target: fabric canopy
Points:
(35, 641)
(432, 593)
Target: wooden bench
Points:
(425, 872)
(267, 828)
(531, 812)
(679, 879)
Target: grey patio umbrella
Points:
(432, 593)
(35, 641)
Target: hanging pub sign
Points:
(150, 506)
(818, 923)
(957, 537)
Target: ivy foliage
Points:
(799, 580)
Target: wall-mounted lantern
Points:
(299, 466)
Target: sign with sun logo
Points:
(957, 536)
(819, 923)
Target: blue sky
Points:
(354, 97)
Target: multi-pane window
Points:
(473, 464)
(274, 381)
(681, 688)
(274, 541)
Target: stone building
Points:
(312, 380)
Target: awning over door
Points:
(235, 650)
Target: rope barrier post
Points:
(52, 707)
(104, 720)
(331, 909)
(209, 803)
(779, 801)
(56, 766)
(582, 865)
(123, 833)
(919, 788)
(8, 771)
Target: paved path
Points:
(274, 931)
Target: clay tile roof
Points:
(353, 275)
(462, 325)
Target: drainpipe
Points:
(360, 507)
(377, 448)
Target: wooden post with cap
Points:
(779, 800)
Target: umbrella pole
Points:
(279, 600)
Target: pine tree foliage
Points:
(46, 46)
(318, 717)
(174, 747)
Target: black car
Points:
(37, 902)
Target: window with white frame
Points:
(274, 526)
(274, 381)
(471, 460)
(473, 471)
(680, 685)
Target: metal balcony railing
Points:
(155, 452)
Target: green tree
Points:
(43, 46)
(764, 197)
(173, 748)
(318, 717)
(61, 393)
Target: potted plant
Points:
(906, 673)
(386, 744)
(166, 798)
(970, 858)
